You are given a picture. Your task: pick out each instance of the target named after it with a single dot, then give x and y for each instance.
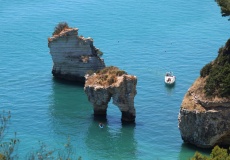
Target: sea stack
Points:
(111, 82)
(204, 118)
(73, 56)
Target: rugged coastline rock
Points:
(204, 117)
(73, 56)
(112, 83)
(204, 122)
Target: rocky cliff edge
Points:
(73, 56)
(205, 120)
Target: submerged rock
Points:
(112, 83)
(73, 56)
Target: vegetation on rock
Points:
(224, 6)
(98, 52)
(218, 74)
(106, 76)
(216, 154)
(8, 148)
(60, 27)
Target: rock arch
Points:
(122, 93)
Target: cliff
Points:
(73, 56)
(112, 83)
(204, 117)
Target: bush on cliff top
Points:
(224, 6)
(106, 76)
(218, 74)
(216, 154)
(60, 27)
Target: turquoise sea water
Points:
(145, 38)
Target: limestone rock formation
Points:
(73, 56)
(116, 84)
(204, 122)
(204, 117)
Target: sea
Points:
(144, 38)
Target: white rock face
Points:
(73, 56)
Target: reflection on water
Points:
(170, 88)
(72, 115)
(69, 107)
(113, 141)
(69, 112)
(188, 150)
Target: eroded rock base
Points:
(128, 117)
(122, 92)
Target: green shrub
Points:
(112, 70)
(120, 73)
(216, 154)
(218, 74)
(90, 72)
(2, 157)
(199, 156)
(206, 70)
(60, 27)
(107, 76)
(112, 79)
(98, 52)
(224, 6)
(8, 148)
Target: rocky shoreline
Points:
(204, 117)
(204, 123)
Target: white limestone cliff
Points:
(73, 56)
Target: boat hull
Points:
(170, 80)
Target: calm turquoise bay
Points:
(144, 38)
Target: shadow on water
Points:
(114, 141)
(99, 118)
(69, 107)
(62, 81)
(103, 119)
(188, 150)
(72, 115)
(170, 88)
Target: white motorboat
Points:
(170, 78)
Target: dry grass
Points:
(60, 27)
(105, 77)
(63, 32)
(196, 92)
(189, 102)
